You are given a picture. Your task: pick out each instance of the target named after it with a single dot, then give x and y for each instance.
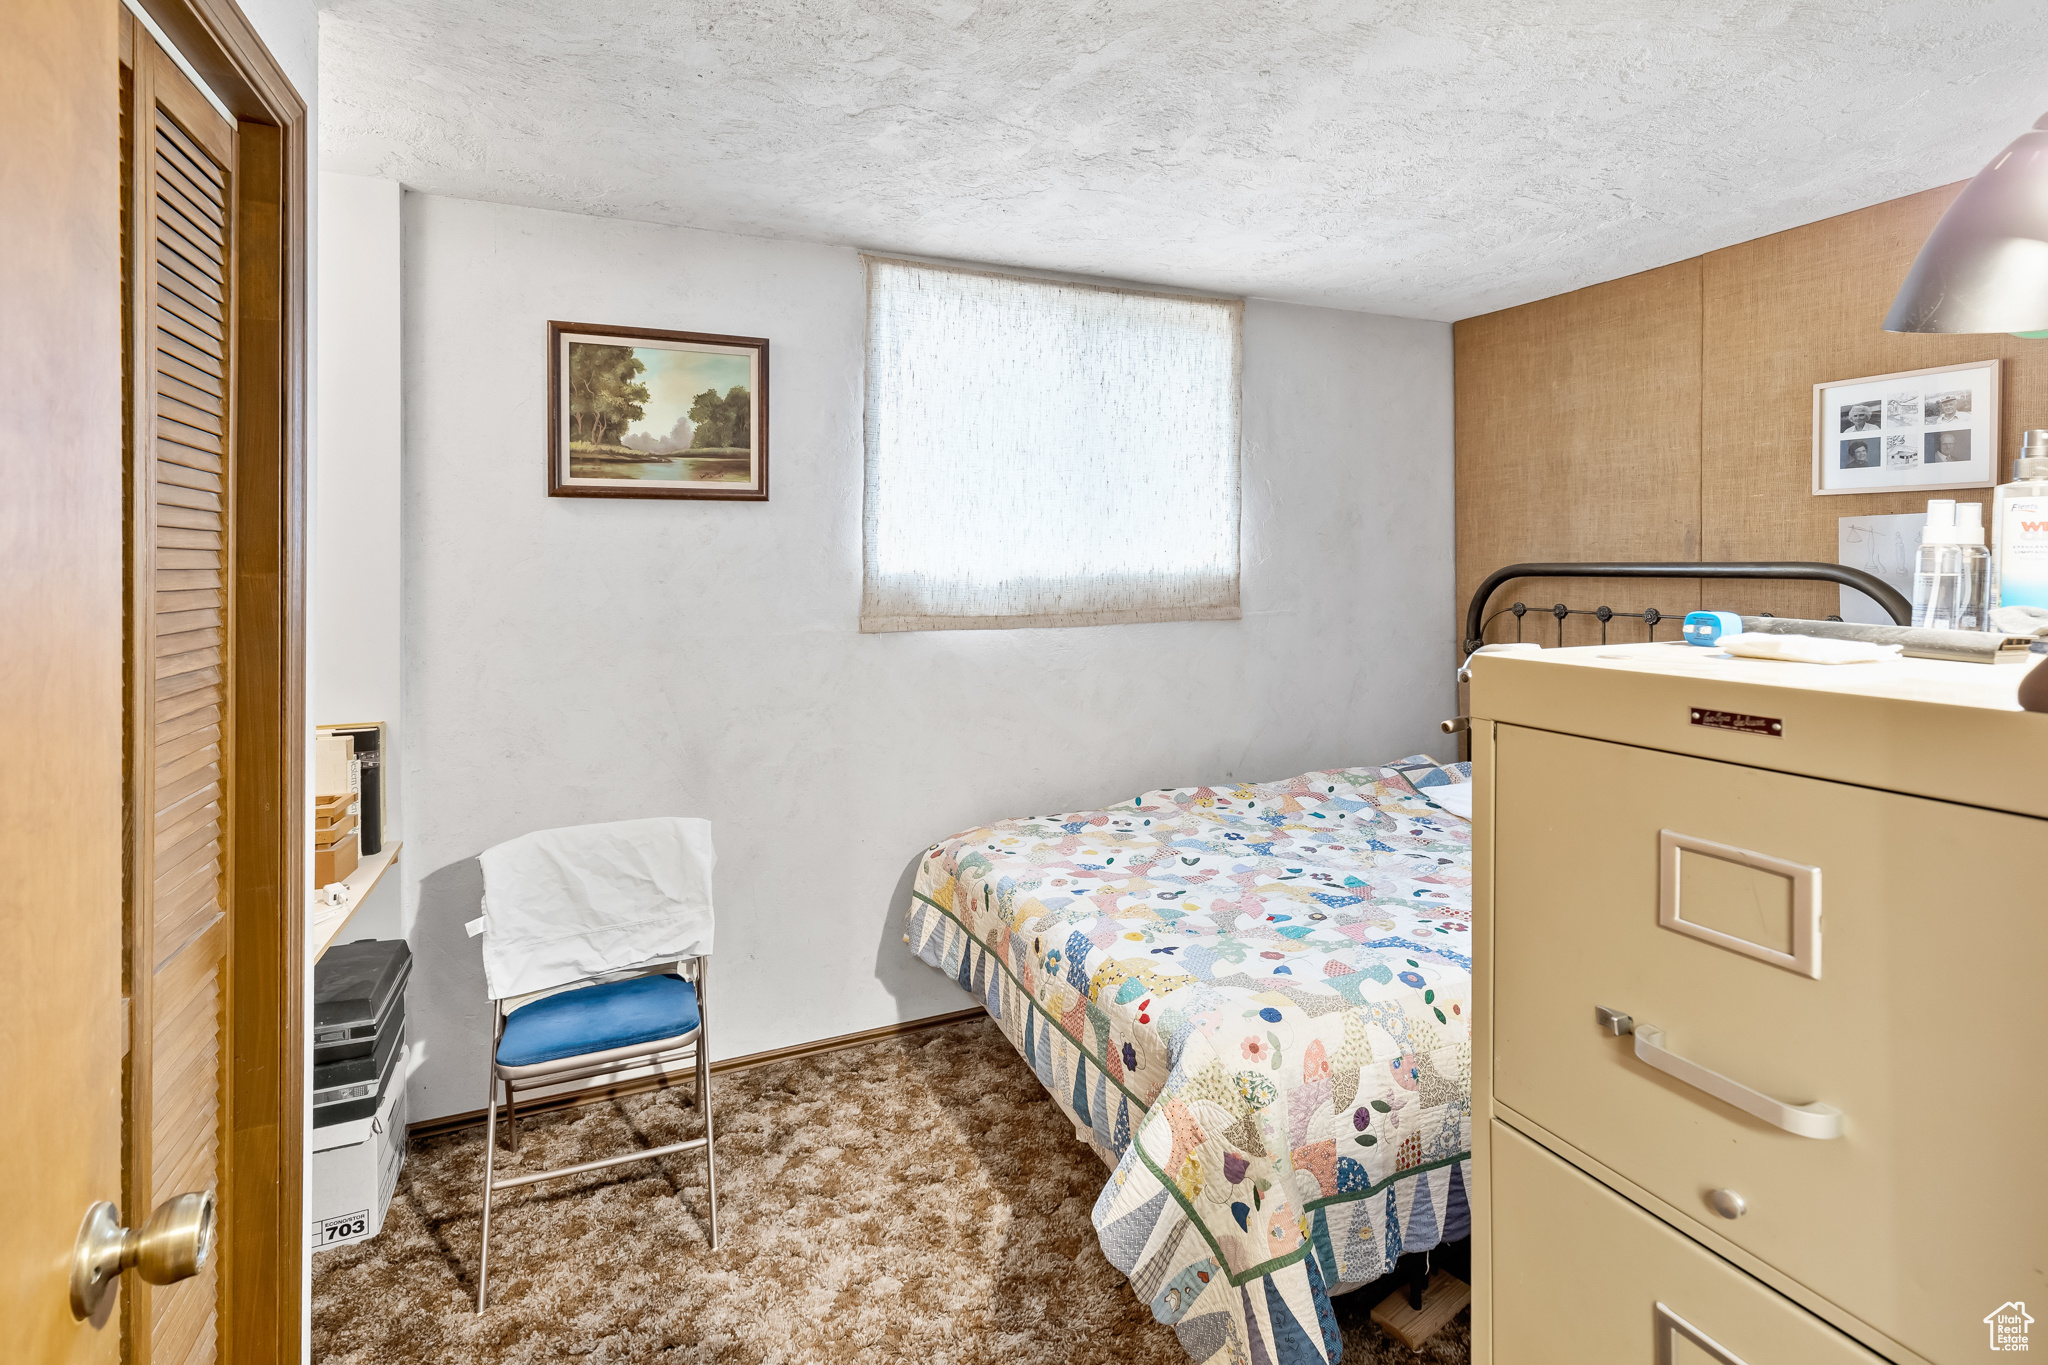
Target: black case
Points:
(358, 995)
(370, 1075)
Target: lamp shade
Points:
(1985, 265)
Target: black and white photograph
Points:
(1948, 409)
(1911, 432)
(1947, 447)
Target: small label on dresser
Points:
(1741, 724)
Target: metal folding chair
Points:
(596, 1012)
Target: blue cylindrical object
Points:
(1705, 628)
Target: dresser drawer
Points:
(1919, 1027)
(1581, 1274)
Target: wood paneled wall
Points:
(1669, 415)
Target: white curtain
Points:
(1047, 454)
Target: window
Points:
(1047, 454)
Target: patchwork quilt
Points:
(1254, 1001)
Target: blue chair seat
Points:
(640, 1009)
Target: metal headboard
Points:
(1476, 620)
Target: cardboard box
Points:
(328, 835)
(334, 864)
(334, 764)
(352, 1171)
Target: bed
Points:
(1253, 1003)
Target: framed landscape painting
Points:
(639, 413)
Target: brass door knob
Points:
(173, 1245)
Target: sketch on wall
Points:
(1885, 546)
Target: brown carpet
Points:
(915, 1199)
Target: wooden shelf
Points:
(325, 922)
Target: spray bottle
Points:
(2019, 530)
(1951, 577)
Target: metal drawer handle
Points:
(1670, 1327)
(1801, 1120)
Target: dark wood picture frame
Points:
(561, 485)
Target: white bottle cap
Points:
(2033, 461)
(1970, 523)
(1948, 524)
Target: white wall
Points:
(355, 581)
(291, 30)
(574, 660)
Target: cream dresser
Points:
(1761, 997)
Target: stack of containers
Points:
(358, 1094)
(335, 841)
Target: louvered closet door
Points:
(180, 207)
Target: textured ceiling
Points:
(1433, 158)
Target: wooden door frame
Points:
(263, 1238)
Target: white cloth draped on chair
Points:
(563, 905)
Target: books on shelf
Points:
(353, 756)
